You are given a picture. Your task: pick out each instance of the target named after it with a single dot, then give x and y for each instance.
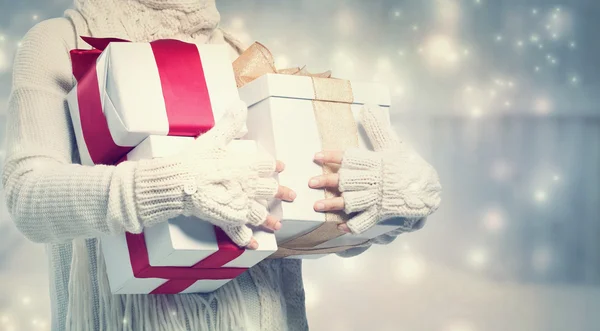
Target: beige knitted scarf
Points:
(145, 20)
(194, 21)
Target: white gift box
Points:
(282, 120)
(180, 242)
(145, 89)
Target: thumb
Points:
(363, 221)
(228, 127)
(378, 130)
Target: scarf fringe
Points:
(79, 312)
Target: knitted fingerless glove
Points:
(391, 181)
(210, 182)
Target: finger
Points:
(363, 221)
(257, 213)
(335, 157)
(228, 127)
(285, 193)
(280, 166)
(380, 132)
(253, 245)
(332, 204)
(323, 181)
(241, 235)
(272, 223)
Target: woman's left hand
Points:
(331, 181)
(391, 181)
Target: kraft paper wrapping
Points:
(337, 130)
(257, 60)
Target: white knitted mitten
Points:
(210, 182)
(391, 181)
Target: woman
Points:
(56, 201)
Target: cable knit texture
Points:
(391, 181)
(55, 200)
(210, 182)
(147, 20)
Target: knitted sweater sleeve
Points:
(50, 197)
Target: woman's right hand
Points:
(231, 189)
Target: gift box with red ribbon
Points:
(147, 100)
(184, 254)
(127, 91)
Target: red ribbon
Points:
(181, 278)
(183, 84)
(189, 112)
(97, 137)
(184, 87)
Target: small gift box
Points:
(184, 254)
(127, 91)
(294, 114)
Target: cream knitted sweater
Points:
(56, 201)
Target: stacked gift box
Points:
(293, 114)
(148, 100)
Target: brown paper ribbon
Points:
(337, 130)
(257, 60)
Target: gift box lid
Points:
(301, 87)
(133, 88)
(127, 91)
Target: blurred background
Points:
(497, 94)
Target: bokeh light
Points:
(465, 79)
(542, 105)
(494, 220)
(4, 60)
(410, 269)
(478, 257)
(312, 294)
(442, 52)
(26, 300)
(540, 196)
